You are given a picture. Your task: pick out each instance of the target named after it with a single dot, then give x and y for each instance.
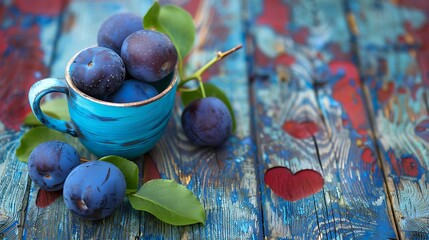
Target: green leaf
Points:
(56, 108)
(169, 201)
(128, 168)
(150, 19)
(34, 137)
(179, 26)
(174, 21)
(211, 91)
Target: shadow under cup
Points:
(123, 129)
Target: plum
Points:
(94, 189)
(97, 71)
(116, 28)
(132, 91)
(148, 55)
(207, 122)
(50, 163)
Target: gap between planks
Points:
(354, 33)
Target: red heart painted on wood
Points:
(300, 130)
(293, 187)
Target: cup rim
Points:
(130, 104)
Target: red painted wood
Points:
(46, 198)
(275, 8)
(21, 49)
(301, 130)
(347, 91)
(41, 7)
(150, 171)
(22, 55)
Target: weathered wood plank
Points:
(80, 23)
(392, 54)
(27, 34)
(224, 179)
(310, 114)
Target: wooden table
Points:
(329, 89)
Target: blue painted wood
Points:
(13, 185)
(397, 92)
(300, 100)
(304, 74)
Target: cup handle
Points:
(35, 95)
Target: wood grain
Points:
(13, 186)
(329, 88)
(397, 93)
(304, 74)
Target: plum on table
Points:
(50, 163)
(94, 189)
(207, 122)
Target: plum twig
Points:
(197, 74)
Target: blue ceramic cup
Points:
(123, 129)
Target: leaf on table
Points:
(128, 168)
(38, 135)
(56, 108)
(211, 91)
(174, 21)
(169, 201)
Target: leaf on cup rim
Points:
(56, 108)
(211, 91)
(128, 168)
(174, 21)
(169, 201)
(34, 137)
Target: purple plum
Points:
(148, 55)
(97, 71)
(116, 28)
(50, 163)
(132, 91)
(94, 189)
(207, 122)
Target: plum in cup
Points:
(50, 163)
(148, 55)
(94, 189)
(132, 91)
(207, 122)
(97, 71)
(116, 28)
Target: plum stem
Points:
(203, 91)
(197, 74)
